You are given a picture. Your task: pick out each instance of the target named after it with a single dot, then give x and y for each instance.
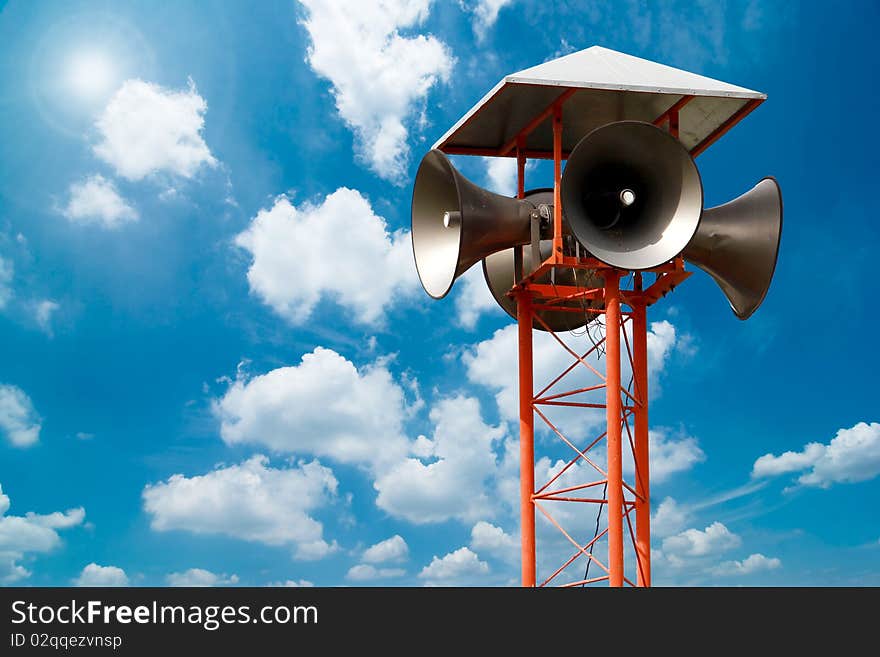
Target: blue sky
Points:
(216, 363)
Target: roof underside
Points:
(601, 86)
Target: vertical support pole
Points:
(520, 193)
(520, 168)
(643, 488)
(673, 123)
(613, 437)
(557, 182)
(526, 437)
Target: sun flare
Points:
(90, 74)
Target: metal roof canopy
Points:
(596, 86)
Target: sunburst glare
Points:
(91, 75)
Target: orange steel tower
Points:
(626, 410)
(542, 113)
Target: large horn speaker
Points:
(499, 270)
(456, 223)
(632, 195)
(737, 244)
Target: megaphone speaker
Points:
(456, 223)
(737, 244)
(632, 195)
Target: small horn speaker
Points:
(737, 244)
(499, 270)
(632, 195)
(456, 223)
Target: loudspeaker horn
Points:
(499, 270)
(632, 195)
(456, 223)
(737, 244)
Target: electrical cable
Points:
(595, 534)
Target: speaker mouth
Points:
(775, 261)
(614, 196)
(436, 224)
(632, 195)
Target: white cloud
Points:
(507, 476)
(96, 201)
(43, 311)
(752, 564)
(368, 572)
(473, 298)
(392, 549)
(714, 539)
(485, 14)
(6, 271)
(95, 575)
(338, 249)
(147, 129)
(661, 342)
(323, 406)
(771, 466)
(380, 78)
(458, 568)
(30, 533)
(494, 541)
(19, 421)
(669, 456)
(501, 175)
(10, 571)
(250, 501)
(200, 577)
(853, 455)
(493, 363)
(328, 408)
(56, 519)
(423, 447)
(292, 583)
(692, 556)
(454, 484)
(669, 518)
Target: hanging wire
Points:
(577, 333)
(590, 318)
(595, 534)
(598, 342)
(584, 305)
